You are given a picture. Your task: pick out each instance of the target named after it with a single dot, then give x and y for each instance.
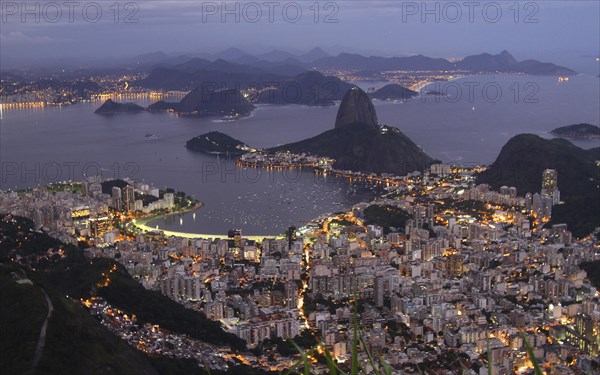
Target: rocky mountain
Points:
(203, 102)
(393, 92)
(522, 161)
(356, 108)
(111, 107)
(358, 143)
(217, 143)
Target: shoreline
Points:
(142, 224)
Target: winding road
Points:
(39, 349)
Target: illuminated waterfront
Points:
(265, 202)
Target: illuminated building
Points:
(85, 189)
(291, 294)
(116, 192)
(100, 226)
(585, 335)
(117, 198)
(292, 236)
(169, 199)
(129, 198)
(81, 213)
(455, 265)
(81, 218)
(550, 185)
(236, 236)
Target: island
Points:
(578, 131)
(217, 143)
(111, 107)
(393, 92)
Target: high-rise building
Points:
(549, 181)
(455, 265)
(85, 189)
(116, 192)
(129, 198)
(291, 234)
(550, 185)
(291, 294)
(236, 236)
(100, 225)
(528, 201)
(169, 199)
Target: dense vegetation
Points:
(76, 342)
(386, 216)
(216, 143)
(18, 301)
(109, 184)
(153, 307)
(593, 272)
(79, 280)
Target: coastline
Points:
(142, 224)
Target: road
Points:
(39, 349)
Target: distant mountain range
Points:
(234, 68)
(233, 55)
(503, 62)
(283, 63)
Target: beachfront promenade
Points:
(142, 225)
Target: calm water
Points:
(51, 144)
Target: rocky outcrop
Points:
(356, 108)
(358, 143)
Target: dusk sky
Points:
(563, 32)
